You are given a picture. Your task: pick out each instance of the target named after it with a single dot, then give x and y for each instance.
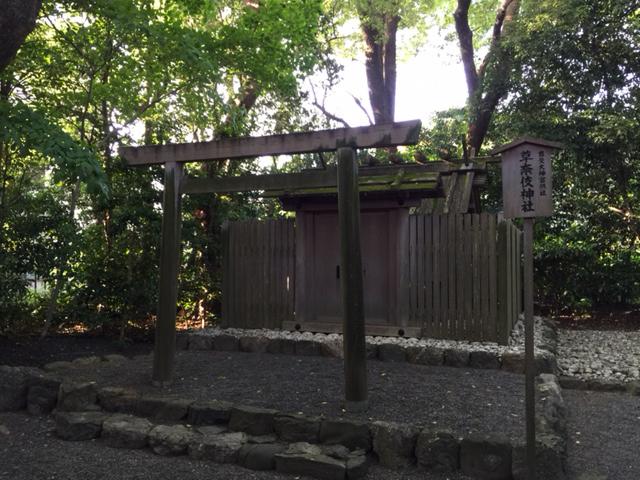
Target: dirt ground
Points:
(33, 352)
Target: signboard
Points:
(526, 178)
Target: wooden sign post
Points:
(527, 194)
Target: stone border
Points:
(551, 433)
(600, 385)
(426, 352)
(261, 438)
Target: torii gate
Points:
(345, 141)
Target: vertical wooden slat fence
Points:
(258, 273)
(465, 279)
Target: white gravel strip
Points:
(598, 354)
(516, 341)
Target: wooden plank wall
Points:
(465, 279)
(258, 273)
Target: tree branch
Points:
(327, 113)
(465, 37)
(504, 16)
(364, 110)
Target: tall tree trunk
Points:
(485, 90)
(17, 20)
(380, 65)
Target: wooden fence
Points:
(464, 276)
(258, 273)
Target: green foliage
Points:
(579, 82)
(98, 73)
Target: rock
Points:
(284, 346)
(262, 439)
(339, 452)
(550, 407)
(259, 456)
(438, 451)
(254, 344)
(513, 362)
(212, 412)
(252, 420)
(550, 460)
(211, 430)
(76, 426)
(57, 366)
(394, 443)
(77, 397)
(42, 399)
(297, 428)
(332, 348)
(433, 356)
(115, 357)
(372, 351)
(170, 439)
(357, 465)
(226, 343)
(304, 459)
(350, 433)
(159, 408)
(115, 399)
(126, 431)
(546, 362)
(486, 457)
(14, 386)
(484, 359)
(200, 342)
(391, 352)
(307, 348)
(84, 361)
(455, 357)
(222, 448)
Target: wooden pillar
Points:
(165, 341)
(529, 363)
(355, 352)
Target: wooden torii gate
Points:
(345, 141)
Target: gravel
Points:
(599, 354)
(604, 435)
(516, 340)
(30, 451)
(462, 400)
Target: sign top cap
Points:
(530, 140)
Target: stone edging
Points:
(551, 433)
(265, 439)
(456, 354)
(600, 385)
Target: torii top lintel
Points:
(387, 135)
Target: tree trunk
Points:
(380, 65)
(17, 20)
(485, 91)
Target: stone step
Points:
(214, 443)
